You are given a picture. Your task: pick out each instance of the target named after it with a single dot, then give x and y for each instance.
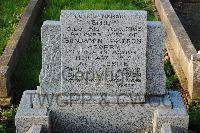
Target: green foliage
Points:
(168, 68)
(10, 13)
(194, 113)
(172, 79)
(194, 106)
(2, 128)
(53, 8)
(172, 82)
(8, 113)
(7, 116)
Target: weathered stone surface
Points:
(57, 100)
(104, 52)
(155, 72)
(50, 78)
(4, 82)
(122, 117)
(166, 128)
(35, 129)
(105, 116)
(194, 76)
(176, 117)
(27, 116)
(95, 118)
(155, 53)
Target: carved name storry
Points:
(103, 51)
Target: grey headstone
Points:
(155, 52)
(50, 78)
(99, 44)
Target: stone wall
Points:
(15, 48)
(180, 49)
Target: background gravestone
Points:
(104, 52)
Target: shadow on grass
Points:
(26, 75)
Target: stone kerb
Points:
(14, 48)
(194, 77)
(180, 49)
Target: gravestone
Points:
(102, 71)
(50, 73)
(104, 52)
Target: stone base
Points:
(35, 129)
(27, 116)
(57, 116)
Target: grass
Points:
(172, 79)
(53, 8)
(10, 13)
(194, 113)
(7, 119)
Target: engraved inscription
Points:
(103, 49)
